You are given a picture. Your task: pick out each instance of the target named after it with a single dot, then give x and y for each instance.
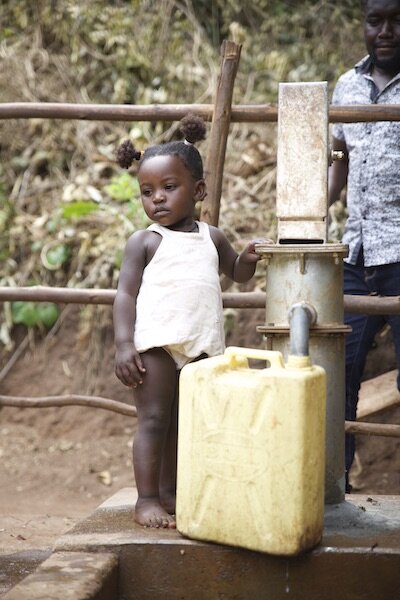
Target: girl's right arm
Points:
(128, 364)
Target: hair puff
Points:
(126, 154)
(193, 128)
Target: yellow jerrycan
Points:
(251, 452)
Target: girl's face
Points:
(169, 192)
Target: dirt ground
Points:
(58, 464)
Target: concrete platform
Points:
(359, 557)
(71, 576)
(14, 567)
(108, 557)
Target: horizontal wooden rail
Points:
(241, 113)
(61, 295)
(69, 400)
(372, 305)
(378, 429)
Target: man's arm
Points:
(337, 172)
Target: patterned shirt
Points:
(373, 185)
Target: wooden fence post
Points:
(214, 168)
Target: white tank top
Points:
(180, 300)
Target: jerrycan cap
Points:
(298, 362)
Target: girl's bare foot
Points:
(150, 513)
(168, 502)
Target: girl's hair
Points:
(192, 127)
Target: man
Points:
(371, 171)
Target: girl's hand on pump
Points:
(249, 254)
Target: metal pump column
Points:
(302, 267)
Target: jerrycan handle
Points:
(272, 356)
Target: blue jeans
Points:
(383, 280)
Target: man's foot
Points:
(168, 502)
(150, 513)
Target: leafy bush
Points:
(123, 187)
(33, 314)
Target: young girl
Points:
(168, 307)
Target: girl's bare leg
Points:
(168, 462)
(154, 398)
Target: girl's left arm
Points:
(239, 267)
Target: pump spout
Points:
(301, 316)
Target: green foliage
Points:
(123, 187)
(78, 209)
(47, 313)
(32, 314)
(57, 256)
(118, 259)
(136, 214)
